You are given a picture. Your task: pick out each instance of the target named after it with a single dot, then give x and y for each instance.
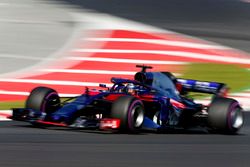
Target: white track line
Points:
(169, 53)
(18, 93)
(4, 114)
(159, 42)
(89, 71)
(243, 102)
(9, 56)
(3, 92)
(52, 82)
(4, 118)
(7, 112)
(104, 72)
(132, 61)
(242, 94)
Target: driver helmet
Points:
(130, 88)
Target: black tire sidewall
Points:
(37, 100)
(123, 108)
(219, 114)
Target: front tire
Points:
(130, 111)
(225, 115)
(43, 99)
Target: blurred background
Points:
(223, 21)
(61, 43)
(72, 44)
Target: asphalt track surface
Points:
(223, 21)
(22, 145)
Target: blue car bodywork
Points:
(163, 96)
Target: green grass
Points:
(9, 105)
(235, 77)
(16, 104)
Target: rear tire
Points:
(130, 111)
(225, 115)
(43, 99)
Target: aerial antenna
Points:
(143, 67)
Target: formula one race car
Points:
(152, 101)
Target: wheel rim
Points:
(156, 118)
(49, 102)
(236, 118)
(138, 116)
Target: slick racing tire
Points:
(225, 115)
(130, 111)
(43, 99)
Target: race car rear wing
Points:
(189, 85)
